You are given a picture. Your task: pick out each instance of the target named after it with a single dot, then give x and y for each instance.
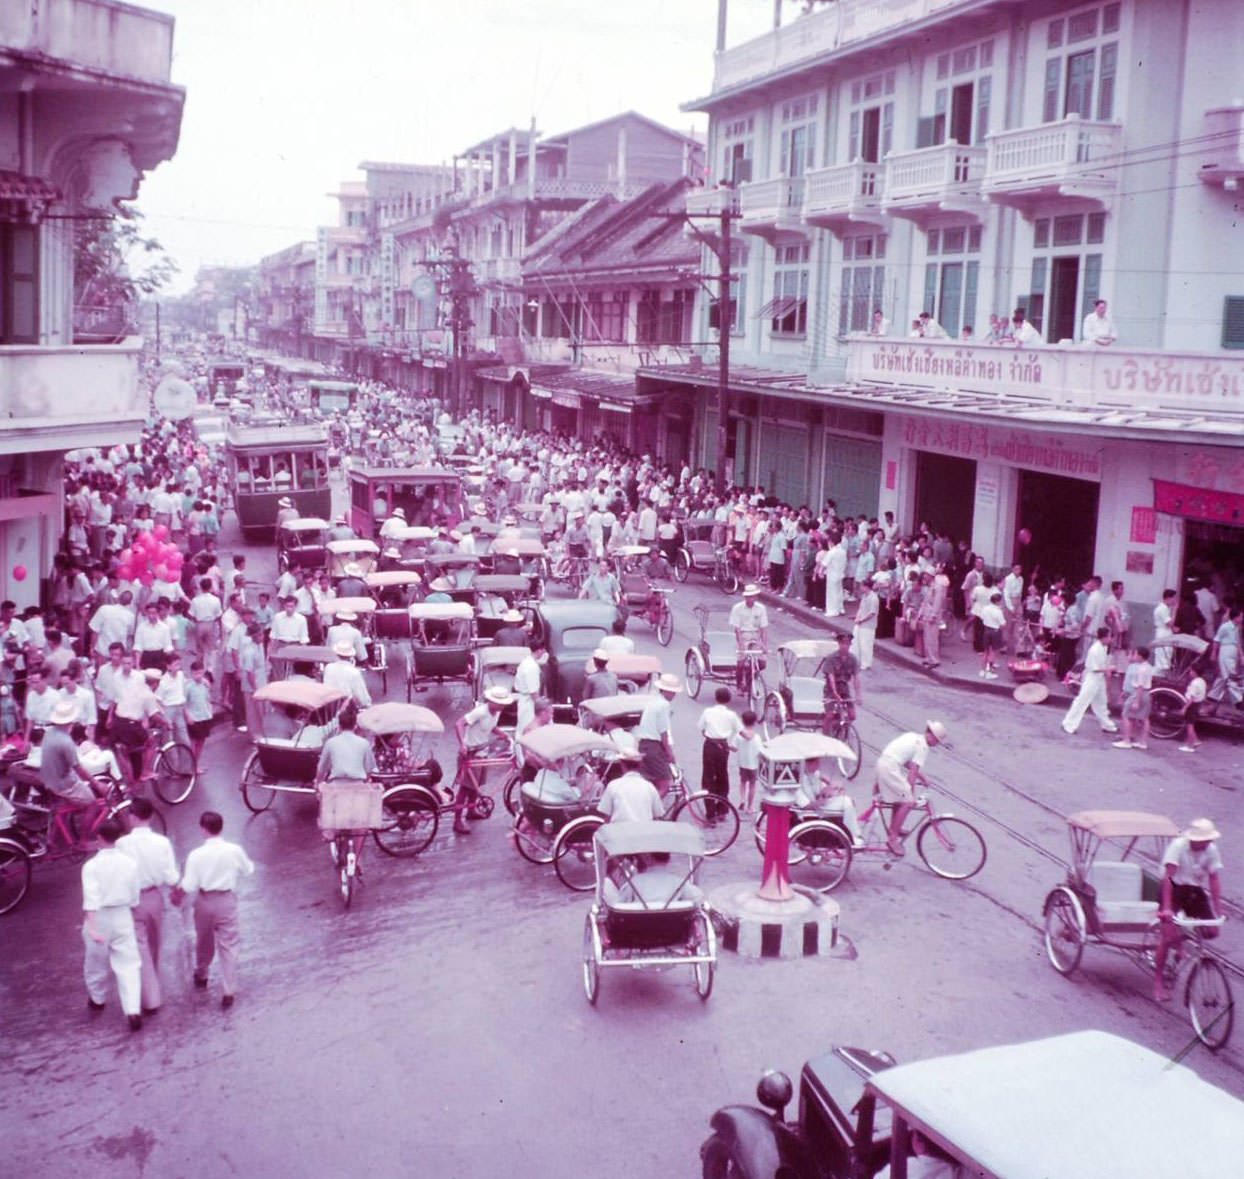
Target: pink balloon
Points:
(125, 556)
(146, 579)
(19, 572)
(125, 572)
(161, 572)
(160, 532)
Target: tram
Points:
(426, 494)
(269, 462)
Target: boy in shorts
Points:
(748, 754)
(1195, 694)
(1136, 684)
(993, 623)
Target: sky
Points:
(286, 97)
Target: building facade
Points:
(86, 108)
(285, 297)
(972, 157)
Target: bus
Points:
(426, 494)
(223, 375)
(333, 396)
(269, 461)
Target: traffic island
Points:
(803, 926)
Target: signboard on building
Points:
(1144, 526)
(388, 279)
(1058, 454)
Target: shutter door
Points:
(853, 475)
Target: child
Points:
(263, 617)
(993, 620)
(1137, 681)
(1195, 694)
(198, 691)
(749, 761)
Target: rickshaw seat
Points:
(392, 624)
(452, 663)
(1120, 889)
(635, 589)
(701, 552)
(807, 695)
(630, 926)
(556, 814)
(722, 652)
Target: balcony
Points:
(1075, 160)
(1224, 147)
(41, 396)
(921, 184)
(845, 195)
(772, 209)
(556, 189)
(705, 204)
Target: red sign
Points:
(1198, 503)
(1144, 526)
(891, 475)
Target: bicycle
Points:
(821, 851)
(716, 818)
(838, 724)
(1205, 987)
(467, 797)
(174, 768)
(750, 674)
(49, 833)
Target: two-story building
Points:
(86, 108)
(967, 158)
(285, 297)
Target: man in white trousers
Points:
(152, 854)
(109, 893)
(1092, 687)
(835, 571)
(865, 631)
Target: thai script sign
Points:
(1017, 448)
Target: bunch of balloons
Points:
(152, 557)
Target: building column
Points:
(531, 162)
(513, 168)
(622, 162)
(496, 164)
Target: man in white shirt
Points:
(720, 727)
(1023, 334)
(1192, 885)
(630, 798)
(110, 891)
(289, 626)
(1092, 692)
(750, 621)
(344, 676)
(212, 873)
(152, 854)
(1013, 603)
(153, 639)
(528, 679)
(1098, 326)
(655, 736)
(474, 731)
(112, 623)
(40, 700)
(343, 630)
(900, 769)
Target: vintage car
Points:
(571, 630)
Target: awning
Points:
(778, 308)
(1198, 503)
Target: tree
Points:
(115, 263)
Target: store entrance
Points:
(1060, 515)
(1214, 555)
(945, 494)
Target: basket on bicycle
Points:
(351, 806)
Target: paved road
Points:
(439, 1028)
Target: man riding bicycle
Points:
(842, 684)
(750, 622)
(899, 772)
(345, 757)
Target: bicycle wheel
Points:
(1210, 1005)
(820, 855)
(705, 946)
(774, 716)
(714, 817)
(256, 792)
(682, 565)
(951, 848)
(793, 854)
(531, 843)
(694, 668)
(848, 734)
(665, 625)
(14, 875)
(411, 818)
(510, 792)
(591, 959)
(574, 857)
(1065, 930)
(175, 772)
(1166, 713)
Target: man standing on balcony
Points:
(1098, 326)
(1023, 334)
(930, 329)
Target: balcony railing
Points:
(844, 193)
(552, 188)
(772, 205)
(835, 27)
(498, 270)
(933, 178)
(1076, 157)
(711, 202)
(1224, 147)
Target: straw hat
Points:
(601, 656)
(1032, 692)
(1202, 831)
(285, 502)
(344, 648)
(668, 683)
(152, 673)
(440, 585)
(65, 713)
(498, 695)
(511, 616)
(400, 512)
(346, 616)
(354, 569)
(751, 591)
(936, 728)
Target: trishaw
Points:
(705, 552)
(302, 543)
(558, 761)
(394, 590)
(1111, 899)
(716, 657)
(649, 911)
(311, 658)
(799, 700)
(495, 594)
(1167, 698)
(403, 742)
(441, 646)
(495, 668)
(411, 546)
(345, 555)
(524, 556)
(641, 597)
(636, 673)
(364, 610)
(290, 721)
(1085, 1105)
(821, 849)
(459, 569)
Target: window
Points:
(19, 284)
(737, 142)
(1065, 279)
(1233, 322)
(1081, 80)
(870, 126)
(863, 282)
(738, 294)
(952, 276)
(961, 109)
(659, 321)
(605, 317)
(788, 312)
(798, 136)
(557, 319)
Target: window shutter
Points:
(930, 289)
(1049, 106)
(924, 132)
(1233, 321)
(1105, 84)
(853, 146)
(970, 282)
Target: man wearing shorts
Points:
(750, 622)
(899, 773)
(653, 733)
(1191, 885)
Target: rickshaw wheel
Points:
(1210, 1005)
(820, 854)
(1065, 930)
(531, 846)
(574, 858)
(695, 674)
(14, 874)
(411, 820)
(706, 944)
(591, 963)
(774, 715)
(175, 773)
(1166, 715)
(665, 624)
(714, 817)
(682, 565)
(256, 793)
(848, 767)
(510, 793)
